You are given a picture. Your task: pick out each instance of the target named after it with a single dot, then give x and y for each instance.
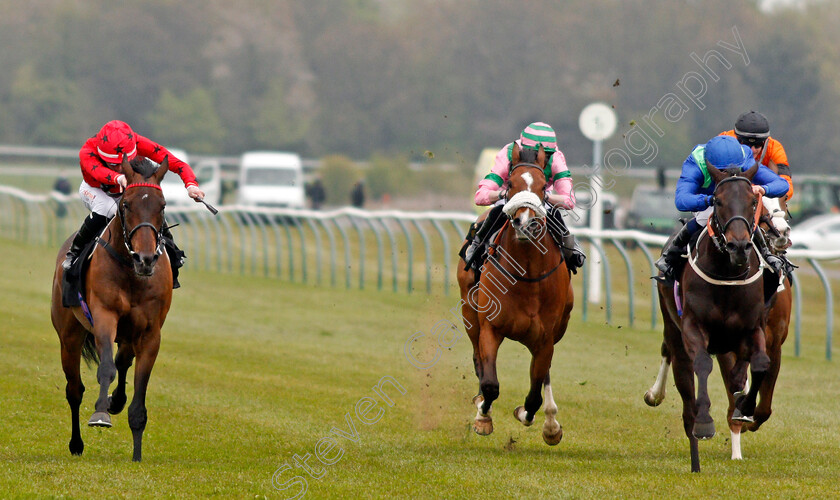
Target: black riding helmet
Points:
(752, 128)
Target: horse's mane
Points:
(143, 166)
(528, 155)
(731, 171)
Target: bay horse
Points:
(524, 293)
(723, 313)
(128, 293)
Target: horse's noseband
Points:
(127, 235)
(719, 230)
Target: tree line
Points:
(418, 79)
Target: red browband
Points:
(144, 184)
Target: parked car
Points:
(821, 232)
(209, 176)
(652, 210)
(271, 179)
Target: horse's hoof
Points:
(115, 408)
(704, 430)
(483, 426)
(521, 416)
(652, 400)
(552, 436)
(100, 419)
(76, 448)
(740, 417)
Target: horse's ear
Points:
(125, 168)
(749, 174)
(717, 175)
(514, 155)
(541, 156)
(162, 169)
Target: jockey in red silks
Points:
(492, 190)
(100, 159)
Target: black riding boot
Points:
(774, 261)
(572, 251)
(176, 255)
(91, 227)
(674, 249)
(494, 221)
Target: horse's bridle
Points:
(718, 230)
(127, 235)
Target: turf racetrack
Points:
(253, 372)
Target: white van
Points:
(271, 179)
(208, 174)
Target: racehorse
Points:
(721, 292)
(524, 294)
(128, 292)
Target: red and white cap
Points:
(116, 141)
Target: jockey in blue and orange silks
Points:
(492, 190)
(695, 190)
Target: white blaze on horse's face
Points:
(529, 180)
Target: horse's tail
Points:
(89, 352)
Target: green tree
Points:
(275, 124)
(189, 122)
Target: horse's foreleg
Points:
(552, 430)
(104, 332)
(71, 354)
(123, 360)
(540, 365)
(759, 366)
(704, 425)
(684, 380)
(488, 344)
(146, 351)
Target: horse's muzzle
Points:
(144, 264)
(528, 227)
(738, 252)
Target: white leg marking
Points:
(656, 393)
(735, 437)
(550, 408)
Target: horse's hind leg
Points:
(147, 352)
(71, 356)
(764, 408)
(734, 377)
(656, 394)
(123, 360)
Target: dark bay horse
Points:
(524, 294)
(128, 292)
(723, 313)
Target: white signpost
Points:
(597, 122)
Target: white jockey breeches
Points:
(97, 200)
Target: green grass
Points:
(253, 371)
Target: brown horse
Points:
(128, 292)
(727, 316)
(524, 294)
(778, 322)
